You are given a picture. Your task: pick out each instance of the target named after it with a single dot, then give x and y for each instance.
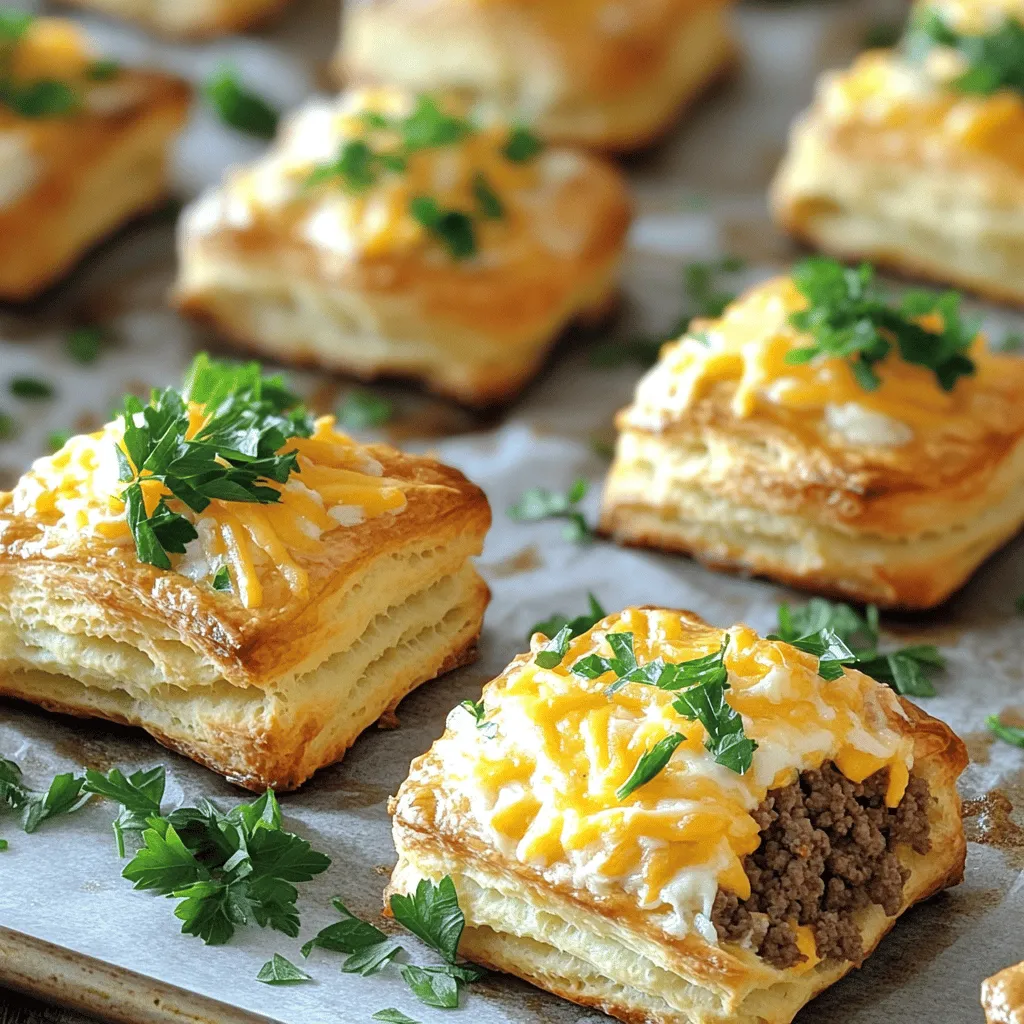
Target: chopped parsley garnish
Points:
(139, 794)
(840, 636)
(357, 165)
(363, 410)
(848, 317)
(705, 299)
(31, 388)
(367, 949)
(8, 427)
(238, 106)
(233, 456)
(84, 344)
(280, 971)
(550, 627)
(452, 228)
(993, 61)
(539, 503)
(429, 127)
(222, 579)
(103, 70)
(882, 35)
(226, 869)
(650, 764)
(64, 795)
(1012, 734)
(479, 712)
(57, 439)
(393, 1016)
(13, 25)
(489, 205)
(39, 99)
(522, 145)
(552, 653)
(624, 665)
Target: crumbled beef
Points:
(827, 850)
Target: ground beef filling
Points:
(827, 850)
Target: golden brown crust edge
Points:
(1002, 996)
(940, 757)
(242, 15)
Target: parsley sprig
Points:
(539, 503)
(840, 636)
(238, 106)
(39, 98)
(64, 795)
(650, 764)
(555, 623)
(994, 60)
(1012, 734)
(848, 317)
(233, 456)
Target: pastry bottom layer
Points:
(911, 573)
(55, 227)
(309, 322)
(268, 737)
(188, 19)
(1002, 996)
(938, 223)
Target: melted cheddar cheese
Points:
(923, 116)
(541, 777)
(746, 348)
(338, 483)
(975, 17)
(376, 220)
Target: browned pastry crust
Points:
(562, 937)
(573, 71)
(1002, 996)
(98, 171)
(265, 695)
(190, 19)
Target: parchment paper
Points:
(698, 196)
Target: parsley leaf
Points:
(233, 456)
(369, 949)
(488, 203)
(429, 127)
(31, 388)
(553, 652)
(84, 344)
(479, 713)
(238, 106)
(994, 60)
(280, 971)
(820, 627)
(452, 228)
(42, 98)
(433, 986)
(363, 410)
(357, 165)
(577, 627)
(1012, 734)
(222, 579)
(432, 914)
(650, 764)
(13, 25)
(8, 427)
(63, 797)
(522, 145)
(104, 70)
(139, 795)
(539, 503)
(226, 869)
(393, 1016)
(848, 317)
(12, 790)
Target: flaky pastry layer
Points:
(96, 172)
(1002, 996)
(265, 695)
(189, 19)
(568, 70)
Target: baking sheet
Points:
(699, 196)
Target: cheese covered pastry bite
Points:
(391, 234)
(84, 147)
(188, 19)
(914, 157)
(247, 584)
(823, 436)
(1002, 996)
(680, 825)
(609, 75)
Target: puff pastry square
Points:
(748, 462)
(280, 633)
(84, 147)
(715, 892)
(898, 162)
(189, 19)
(1002, 996)
(613, 78)
(389, 234)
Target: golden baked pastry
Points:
(189, 19)
(914, 158)
(250, 586)
(391, 234)
(613, 76)
(680, 825)
(887, 480)
(1002, 996)
(83, 148)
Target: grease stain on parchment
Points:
(989, 821)
(525, 560)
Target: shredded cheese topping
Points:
(976, 17)
(747, 348)
(883, 93)
(541, 776)
(339, 484)
(376, 221)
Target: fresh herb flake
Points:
(238, 106)
(650, 764)
(84, 344)
(279, 971)
(452, 228)
(432, 914)
(539, 503)
(222, 579)
(392, 1016)
(364, 410)
(31, 388)
(1012, 734)
(522, 145)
